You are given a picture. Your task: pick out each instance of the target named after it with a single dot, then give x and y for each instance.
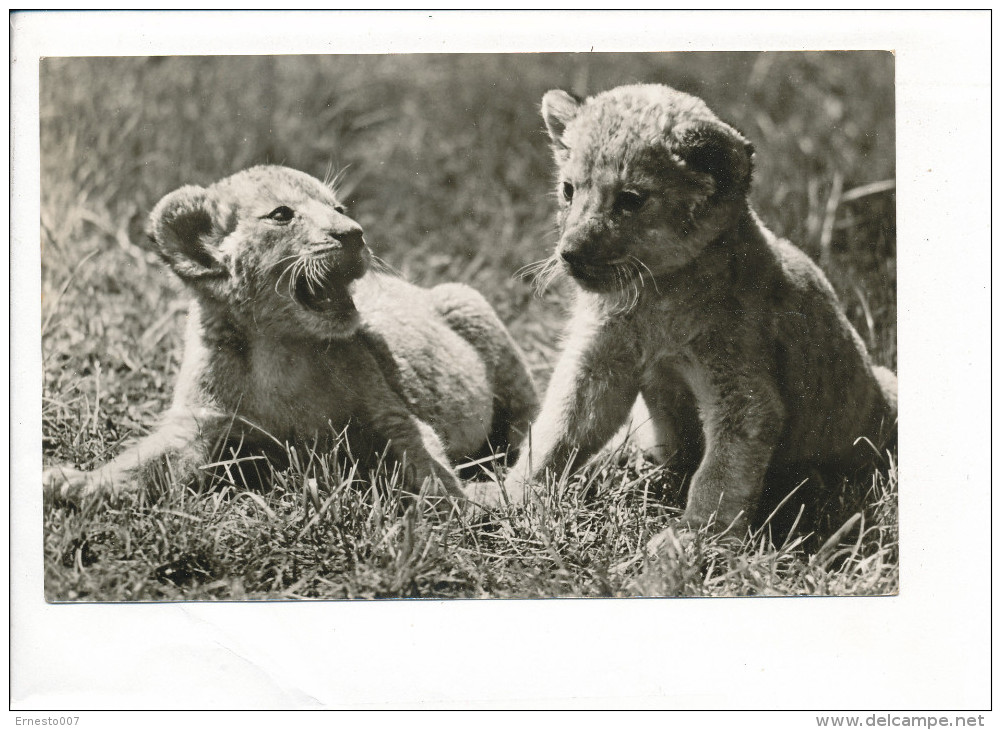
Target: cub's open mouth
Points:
(326, 295)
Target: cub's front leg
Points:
(590, 394)
(743, 418)
(386, 421)
(414, 445)
(178, 447)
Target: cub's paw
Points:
(673, 545)
(672, 541)
(732, 524)
(65, 484)
(493, 495)
(683, 534)
(482, 500)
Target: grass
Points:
(447, 168)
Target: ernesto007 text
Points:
(34, 721)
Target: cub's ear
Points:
(718, 150)
(185, 228)
(558, 108)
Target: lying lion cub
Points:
(291, 341)
(734, 339)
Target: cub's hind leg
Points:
(887, 380)
(515, 399)
(515, 404)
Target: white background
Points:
(926, 650)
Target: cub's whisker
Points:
(529, 270)
(312, 267)
(546, 275)
(381, 265)
(653, 279)
(290, 270)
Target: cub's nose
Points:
(351, 240)
(573, 257)
(345, 231)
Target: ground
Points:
(444, 161)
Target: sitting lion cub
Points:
(289, 340)
(734, 338)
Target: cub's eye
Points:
(281, 214)
(567, 190)
(629, 201)
(340, 209)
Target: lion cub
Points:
(291, 340)
(734, 339)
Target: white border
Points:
(926, 649)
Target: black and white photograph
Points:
(319, 327)
(323, 327)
